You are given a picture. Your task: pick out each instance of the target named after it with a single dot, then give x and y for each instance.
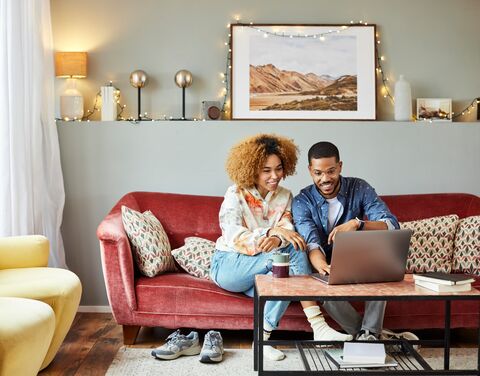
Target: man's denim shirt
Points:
(358, 198)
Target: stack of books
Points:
(444, 282)
(360, 355)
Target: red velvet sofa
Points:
(176, 300)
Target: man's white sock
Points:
(321, 330)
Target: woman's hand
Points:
(267, 243)
(291, 236)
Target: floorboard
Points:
(95, 338)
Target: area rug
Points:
(236, 362)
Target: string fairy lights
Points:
(385, 90)
(467, 110)
(225, 76)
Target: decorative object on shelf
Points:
(211, 110)
(403, 100)
(303, 72)
(71, 65)
(183, 79)
(110, 98)
(434, 109)
(138, 79)
(96, 107)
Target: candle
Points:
(109, 104)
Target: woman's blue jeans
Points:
(236, 272)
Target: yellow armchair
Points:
(24, 274)
(26, 331)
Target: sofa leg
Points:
(130, 333)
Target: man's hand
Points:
(351, 225)
(319, 261)
(291, 236)
(323, 267)
(267, 243)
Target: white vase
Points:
(403, 100)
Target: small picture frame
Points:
(434, 109)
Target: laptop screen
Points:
(369, 256)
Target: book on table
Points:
(358, 352)
(444, 278)
(438, 287)
(336, 357)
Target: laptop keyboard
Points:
(321, 277)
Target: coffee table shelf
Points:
(298, 288)
(314, 358)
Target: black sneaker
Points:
(366, 335)
(212, 349)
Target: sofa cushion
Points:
(151, 248)
(182, 293)
(431, 247)
(466, 254)
(195, 256)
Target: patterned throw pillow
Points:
(466, 255)
(431, 247)
(195, 256)
(151, 247)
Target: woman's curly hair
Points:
(248, 156)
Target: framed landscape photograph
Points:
(303, 72)
(434, 109)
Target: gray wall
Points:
(103, 161)
(433, 42)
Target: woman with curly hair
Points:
(255, 218)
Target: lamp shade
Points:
(71, 64)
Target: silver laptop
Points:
(368, 256)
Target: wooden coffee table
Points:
(298, 288)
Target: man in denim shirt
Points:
(334, 204)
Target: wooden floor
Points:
(95, 338)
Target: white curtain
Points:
(32, 195)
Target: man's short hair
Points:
(323, 149)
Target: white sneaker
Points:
(178, 344)
(271, 353)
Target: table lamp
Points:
(183, 79)
(71, 65)
(138, 79)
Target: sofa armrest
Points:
(24, 251)
(118, 267)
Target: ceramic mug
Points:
(280, 265)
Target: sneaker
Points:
(212, 349)
(409, 336)
(366, 335)
(178, 344)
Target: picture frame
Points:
(434, 109)
(303, 72)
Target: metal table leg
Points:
(446, 355)
(478, 348)
(255, 328)
(261, 306)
